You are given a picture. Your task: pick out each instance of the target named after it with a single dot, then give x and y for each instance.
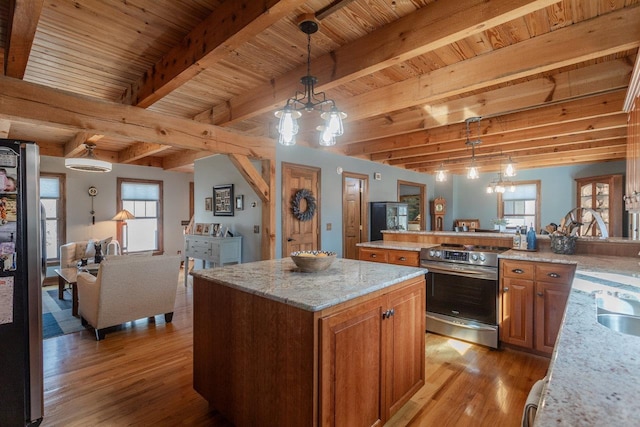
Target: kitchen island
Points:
(276, 346)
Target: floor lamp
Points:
(122, 217)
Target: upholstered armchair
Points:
(128, 288)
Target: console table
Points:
(215, 250)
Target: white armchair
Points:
(128, 288)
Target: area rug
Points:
(56, 314)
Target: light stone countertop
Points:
(401, 246)
(281, 280)
(594, 372)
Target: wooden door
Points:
(517, 312)
(354, 213)
(351, 372)
(404, 346)
(299, 235)
(550, 300)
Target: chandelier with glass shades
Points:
(309, 100)
(472, 169)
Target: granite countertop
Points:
(280, 280)
(401, 246)
(594, 371)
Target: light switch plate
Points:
(256, 229)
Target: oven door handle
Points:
(461, 325)
(467, 272)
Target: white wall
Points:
(79, 227)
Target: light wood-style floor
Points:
(141, 375)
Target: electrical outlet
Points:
(256, 229)
(328, 226)
(179, 252)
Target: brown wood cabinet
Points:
(604, 195)
(533, 298)
(372, 358)
(391, 256)
(262, 362)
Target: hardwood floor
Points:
(141, 375)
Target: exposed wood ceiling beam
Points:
(5, 127)
(23, 21)
(252, 176)
(605, 76)
(36, 104)
(229, 26)
(140, 150)
(562, 113)
(598, 37)
(517, 150)
(425, 30)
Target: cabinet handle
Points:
(505, 289)
(540, 294)
(373, 255)
(402, 258)
(554, 275)
(388, 314)
(517, 271)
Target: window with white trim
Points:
(521, 207)
(52, 198)
(143, 198)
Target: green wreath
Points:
(306, 215)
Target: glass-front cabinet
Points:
(603, 194)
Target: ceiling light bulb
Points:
(499, 189)
(512, 189)
(333, 121)
(510, 170)
(441, 175)
(489, 189)
(288, 125)
(472, 172)
(326, 138)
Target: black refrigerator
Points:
(387, 216)
(21, 263)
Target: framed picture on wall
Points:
(208, 203)
(223, 200)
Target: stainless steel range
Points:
(462, 292)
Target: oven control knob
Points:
(432, 252)
(482, 258)
(438, 254)
(474, 257)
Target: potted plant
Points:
(500, 224)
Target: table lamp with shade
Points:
(122, 218)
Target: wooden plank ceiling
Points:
(162, 83)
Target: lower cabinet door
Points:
(405, 345)
(350, 367)
(517, 312)
(550, 303)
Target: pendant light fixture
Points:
(441, 174)
(309, 100)
(472, 170)
(510, 170)
(87, 162)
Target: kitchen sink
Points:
(622, 323)
(617, 304)
(619, 312)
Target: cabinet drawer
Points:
(410, 258)
(555, 273)
(377, 255)
(518, 269)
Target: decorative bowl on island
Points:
(312, 261)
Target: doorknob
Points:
(289, 239)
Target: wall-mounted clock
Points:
(438, 210)
(93, 192)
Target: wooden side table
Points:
(68, 275)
